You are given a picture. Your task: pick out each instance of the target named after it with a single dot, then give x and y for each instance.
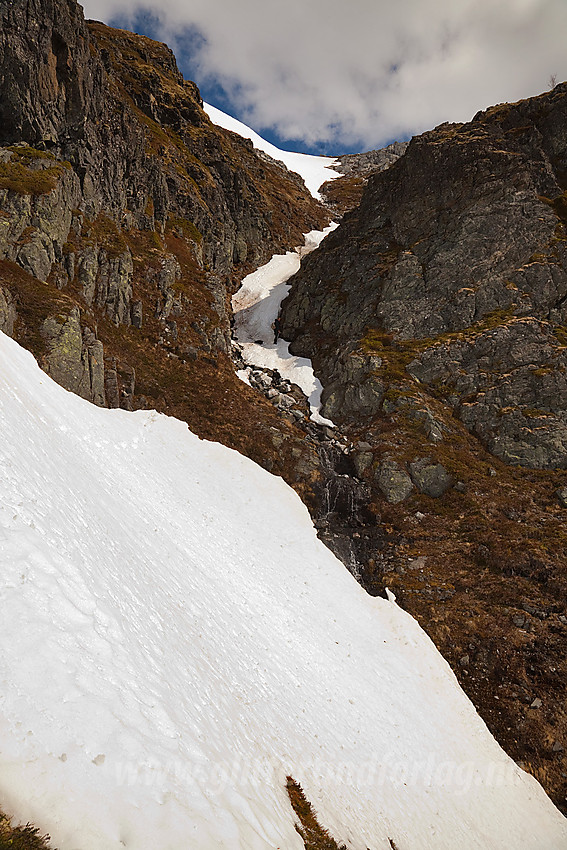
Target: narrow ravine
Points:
(256, 306)
(340, 513)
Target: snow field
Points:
(176, 641)
(315, 170)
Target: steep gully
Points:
(341, 516)
(339, 500)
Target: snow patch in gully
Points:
(256, 306)
(257, 303)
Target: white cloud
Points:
(371, 71)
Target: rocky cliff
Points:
(126, 221)
(344, 194)
(436, 318)
(456, 264)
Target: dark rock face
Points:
(7, 312)
(353, 384)
(49, 81)
(456, 263)
(519, 411)
(106, 146)
(108, 102)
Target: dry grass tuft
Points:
(21, 837)
(28, 171)
(312, 833)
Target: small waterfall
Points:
(343, 511)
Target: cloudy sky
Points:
(328, 76)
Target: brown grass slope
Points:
(314, 836)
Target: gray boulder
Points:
(74, 359)
(395, 484)
(362, 460)
(430, 478)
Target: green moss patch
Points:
(186, 227)
(398, 354)
(558, 205)
(30, 171)
(17, 177)
(105, 232)
(34, 303)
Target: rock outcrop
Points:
(345, 193)
(453, 272)
(365, 164)
(74, 357)
(7, 312)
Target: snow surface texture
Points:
(175, 641)
(256, 306)
(315, 170)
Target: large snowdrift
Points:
(175, 640)
(315, 170)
